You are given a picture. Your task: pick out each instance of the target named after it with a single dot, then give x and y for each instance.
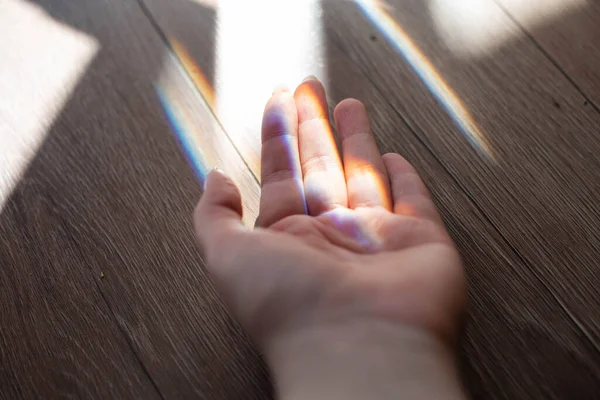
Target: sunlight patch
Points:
(262, 44)
(42, 61)
(477, 27)
(428, 74)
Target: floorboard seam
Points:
(130, 342)
(548, 56)
(167, 43)
(471, 199)
(111, 311)
(521, 258)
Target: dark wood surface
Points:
(539, 192)
(568, 35)
(109, 193)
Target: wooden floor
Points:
(102, 291)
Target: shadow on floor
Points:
(102, 216)
(109, 168)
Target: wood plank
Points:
(512, 312)
(238, 79)
(568, 32)
(541, 190)
(117, 179)
(200, 135)
(59, 335)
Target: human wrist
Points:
(363, 359)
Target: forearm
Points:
(363, 361)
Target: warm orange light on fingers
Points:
(364, 176)
(405, 209)
(322, 169)
(307, 98)
(374, 189)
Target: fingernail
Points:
(280, 89)
(215, 169)
(310, 78)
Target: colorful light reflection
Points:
(182, 74)
(183, 128)
(194, 72)
(428, 74)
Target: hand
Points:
(341, 252)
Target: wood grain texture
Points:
(568, 32)
(58, 336)
(200, 132)
(519, 342)
(109, 192)
(541, 193)
(112, 173)
(237, 47)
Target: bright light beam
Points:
(42, 61)
(428, 74)
(262, 44)
(196, 129)
(185, 125)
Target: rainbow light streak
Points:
(428, 74)
(183, 128)
(194, 72)
(177, 113)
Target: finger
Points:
(282, 192)
(218, 216)
(324, 182)
(409, 193)
(366, 177)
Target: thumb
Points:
(219, 212)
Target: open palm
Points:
(338, 239)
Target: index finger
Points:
(282, 192)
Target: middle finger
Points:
(324, 181)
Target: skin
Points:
(349, 283)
